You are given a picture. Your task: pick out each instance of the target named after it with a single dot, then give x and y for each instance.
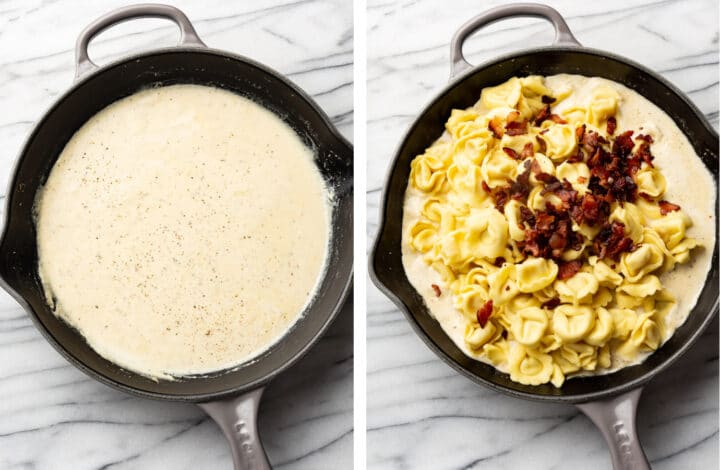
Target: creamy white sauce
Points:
(689, 184)
(182, 230)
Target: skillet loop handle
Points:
(188, 35)
(563, 35)
(616, 420)
(237, 418)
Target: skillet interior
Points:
(18, 251)
(386, 260)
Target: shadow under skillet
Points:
(670, 420)
(322, 382)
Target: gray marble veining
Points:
(52, 416)
(421, 413)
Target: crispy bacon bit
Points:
(484, 312)
(548, 99)
(527, 216)
(569, 269)
(511, 153)
(580, 132)
(611, 241)
(578, 157)
(643, 153)
(501, 195)
(499, 261)
(667, 207)
(623, 144)
(512, 116)
(542, 145)
(611, 125)
(557, 119)
(539, 174)
(528, 150)
(495, 126)
(544, 221)
(613, 163)
(437, 290)
(552, 303)
(516, 128)
(646, 196)
(485, 187)
(543, 114)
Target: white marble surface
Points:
(54, 417)
(422, 414)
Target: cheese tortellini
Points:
(483, 185)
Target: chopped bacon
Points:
(667, 207)
(613, 163)
(623, 144)
(528, 150)
(511, 153)
(542, 145)
(520, 188)
(501, 195)
(578, 157)
(580, 132)
(512, 116)
(557, 119)
(437, 290)
(484, 313)
(499, 261)
(495, 126)
(590, 140)
(544, 221)
(516, 128)
(611, 125)
(543, 114)
(643, 153)
(548, 99)
(527, 216)
(552, 303)
(485, 187)
(611, 241)
(569, 269)
(539, 174)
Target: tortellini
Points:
(535, 274)
(531, 316)
(560, 141)
(528, 325)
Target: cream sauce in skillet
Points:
(182, 230)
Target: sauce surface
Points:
(182, 230)
(675, 158)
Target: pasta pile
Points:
(549, 231)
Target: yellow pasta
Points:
(552, 315)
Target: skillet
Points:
(230, 397)
(610, 401)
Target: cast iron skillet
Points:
(230, 397)
(610, 400)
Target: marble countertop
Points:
(52, 416)
(421, 413)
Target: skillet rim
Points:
(458, 81)
(340, 143)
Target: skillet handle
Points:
(616, 420)
(188, 35)
(563, 35)
(237, 418)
